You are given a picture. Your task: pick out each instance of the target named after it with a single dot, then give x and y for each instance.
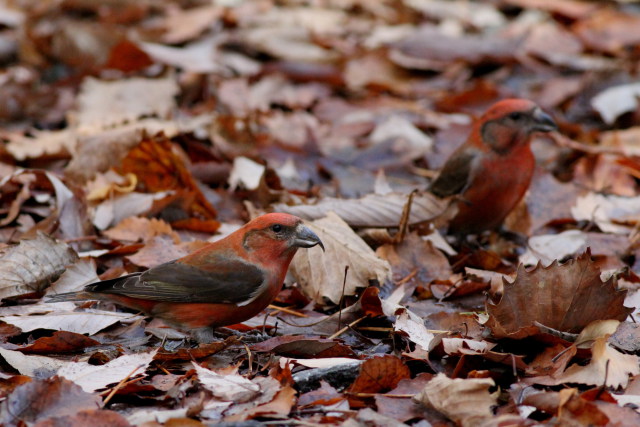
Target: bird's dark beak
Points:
(305, 238)
(542, 122)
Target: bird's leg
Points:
(513, 236)
(203, 335)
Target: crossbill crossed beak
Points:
(305, 238)
(542, 122)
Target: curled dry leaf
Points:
(608, 367)
(564, 297)
(373, 210)
(321, 274)
(33, 264)
(465, 401)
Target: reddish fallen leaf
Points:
(555, 296)
(304, 346)
(93, 418)
(378, 374)
(41, 399)
(59, 342)
(202, 351)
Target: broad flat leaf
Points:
(465, 401)
(320, 274)
(564, 297)
(92, 377)
(372, 210)
(32, 265)
(606, 363)
(103, 104)
(81, 322)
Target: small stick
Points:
(120, 385)
(285, 310)
(344, 285)
(350, 325)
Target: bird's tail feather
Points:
(69, 296)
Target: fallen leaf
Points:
(320, 275)
(555, 296)
(465, 401)
(32, 265)
(103, 104)
(613, 214)
(607, 364)
(416, 330)
(39, 400)
(372, 210)
(92, 377)
(232, 387)
(379, 374)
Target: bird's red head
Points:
(278, 234)
(509, 123)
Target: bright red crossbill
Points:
(492, 170)
(223, 283)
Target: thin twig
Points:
(346, 328)
(285, 310)
(119, 386)
(344, 285)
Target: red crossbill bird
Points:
(492, 170)
(223, 283)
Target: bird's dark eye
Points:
(277, 228)
(515, 116)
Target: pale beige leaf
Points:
(372, 210)
(33, 366)
(616, 372)
(103, 104)
(232, 387)
(75, 277)
(608, 211)
(81, 322)
(320, 274)
(32, 265)
(416, 330)
(550, 247)
(42, 143)
(465, 401)
(92, 377)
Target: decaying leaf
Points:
(321, 274)
(465, 401)
(564, 297)
(608, 367)
(613, 214)
(373, 210)
(32, 265)
(92, 378)
(104, 104)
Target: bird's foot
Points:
(513, 236)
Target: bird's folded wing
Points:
(454, 177)
(227, 281)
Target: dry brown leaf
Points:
(134, 229)
(465, 401)
(75, 277)
(98, 151)
(32, 265)
(608, 212)
(160, 165)
(416, 259)
(186, 25)
(606, 363)
(92, 378)
(380, 374)
(42, 144)
(321, 274)
(415, 329)
(372, 210)
(162, 249)
(564, 297)
(41, 399)
(104, 104)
